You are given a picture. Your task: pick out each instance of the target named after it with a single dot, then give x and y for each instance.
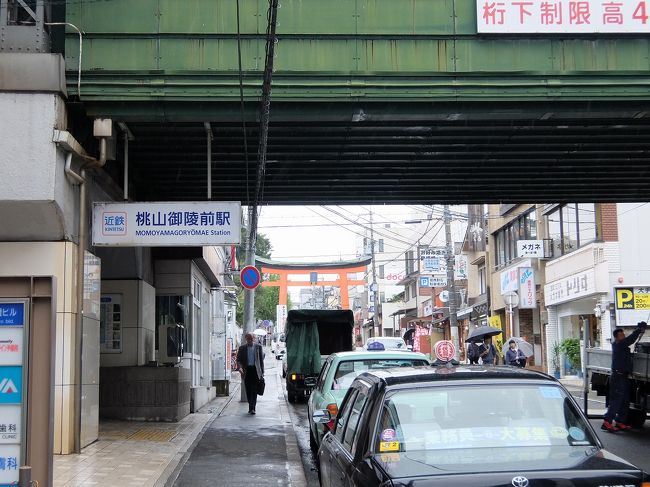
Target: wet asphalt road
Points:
(298, 414)
(633, 446)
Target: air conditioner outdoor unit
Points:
(171, 343)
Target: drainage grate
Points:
(152, 435)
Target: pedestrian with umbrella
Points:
(514, 356)
(487, 351)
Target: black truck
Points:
(311, 336)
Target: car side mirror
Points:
(321, 416)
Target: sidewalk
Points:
(237, 449)
(204, 446)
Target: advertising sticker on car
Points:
(388, 434)
(388, 446)
(550, 392)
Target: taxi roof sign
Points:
(445, 350)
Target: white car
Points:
(278, 343)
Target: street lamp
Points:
(511, 299)
(598, 311)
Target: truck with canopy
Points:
(311, 337)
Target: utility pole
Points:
(265, 112)
(451, 286)
(374, 286)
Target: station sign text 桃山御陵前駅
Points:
(567, 17)
(170, 224)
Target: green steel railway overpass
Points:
(373, 101)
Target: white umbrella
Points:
(522, 344)
(259, 332)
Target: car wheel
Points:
(314, 449)
(320, 480)
(636, 418)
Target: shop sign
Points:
(460, 267)
(530, 248)
(527, 295)
(12, 314)
(176, 224)
(570, 288)
(92, 285)
(575, 17)
(110, 324)
(433, 260)
(437, 281)
(11, 345)
(280, 317)
(13, 321)
(632, 305)
(9, 464)
(509, 280)
(10, 422)
(494, 321)
(11, 385)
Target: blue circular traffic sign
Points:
(250, 277)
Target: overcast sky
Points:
(333, 233)
(323, 234)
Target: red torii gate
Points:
(341, 268)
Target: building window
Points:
(524, 227)
(381, 245)
(382, 271)
(409, 259)
(407, 293)
(482, 279)
(572, 226)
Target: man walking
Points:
(488, 352)
(250, 358)
(619, 382)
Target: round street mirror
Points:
(511, 298)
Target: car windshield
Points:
(347, 371)
(480, 416)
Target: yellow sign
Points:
(388, 446)
(495, 321)
(624, 298)
(632, 298)
(497, 341)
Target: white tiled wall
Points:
(56, 259)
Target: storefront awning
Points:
(444, 317)
(464, 312)
(402, 311)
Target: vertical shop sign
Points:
(110, 324)
(13, 320)
(527, 295)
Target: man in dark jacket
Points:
(619, 382)
(250, 358)
(488, 352)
